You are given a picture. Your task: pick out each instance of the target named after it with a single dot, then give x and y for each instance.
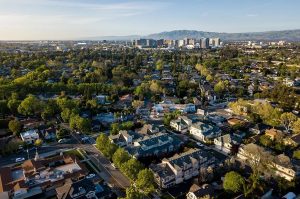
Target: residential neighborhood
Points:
(180, 114)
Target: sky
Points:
(77, 19)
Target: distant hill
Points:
(288, 35)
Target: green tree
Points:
(159, 64)
(296, 126)
(145, 181)
(105, 146)
(265, 141)
(220, 87)
(65, 114)
(267, 113)
(296, 154)
(15, 126)
(30, 106)
(287, 120)
(120, 157)
(61, 133)
(131, 168)
(13, 103)
(38, 142)
(133, 193)
(233, 182)
(114, 128)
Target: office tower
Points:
(204, 43)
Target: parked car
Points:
(199, 144)
(62, 140)
(91, 175)
(113, 165)
(20, 159)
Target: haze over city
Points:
(66, 19)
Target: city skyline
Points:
(52, 19)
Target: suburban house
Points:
(273, 133)
(284, 167)
(38, 175)
(204, 191)
(149, 129)
(84, 188)
(154, 145)
(293, 140)
(281, 165)
(235, 122)
(258, 128)
(30, 136)
(204, 132)
(227, 143)
(181, 124)
(180, 167)
(124, 138)
(101, 99)
(158, 110)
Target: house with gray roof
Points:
(227, 143)
(124, 138)
(154, 145)
(180, 167)
(204, 132)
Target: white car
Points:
(92, 175)
(113, 165)
(62, 140)
(199, 144)
(20, 159)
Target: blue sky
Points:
(73, 19)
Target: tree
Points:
(296, 154)
(287, 120)
(61, 133)
(131, 168)
(220, 87)
(267, 113)
(84, 125)
(209, 78)
(296, 126)
(65, 114)
(101, 141)
(47, 113)
(133, 193)
(137, 104)
(13, 103)
(159, 64)
(15, 126)
(233, 182)
(240, 107)
(38, 142)
(145, 181)
(105, 146)
(114, 128)
(120, 157)
(265, 141)
(30, 106)
(155, 87)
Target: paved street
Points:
(111, 175)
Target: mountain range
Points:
(288, 35)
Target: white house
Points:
(30, 136)
(203, 132)
(226, 142)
